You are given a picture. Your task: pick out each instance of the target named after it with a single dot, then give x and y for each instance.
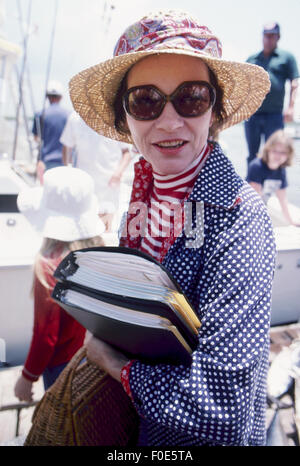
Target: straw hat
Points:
(93, 90)
(65, 208)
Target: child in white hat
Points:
(65, 211)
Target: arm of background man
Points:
(289, 112)
(67, 155)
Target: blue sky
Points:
(85, 33)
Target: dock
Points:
(15, 417)
(288, 419)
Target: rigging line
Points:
(106, 16)
(104, 9)
(26, 75)
(21, 22)
(49, 63)
(50, 51)
(31, 149)
(20, 103)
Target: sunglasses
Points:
(190, 99)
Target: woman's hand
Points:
(105, 356)
(23, 389)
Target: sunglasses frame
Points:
(169, 98)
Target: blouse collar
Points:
(217, 184)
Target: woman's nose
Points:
(169, 120)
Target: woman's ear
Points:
(213, 127)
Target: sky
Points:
(85, 32)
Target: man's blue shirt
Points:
(51, 124)
(281, 66)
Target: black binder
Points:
(129, 300)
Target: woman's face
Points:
(171, 142)
(277, 156)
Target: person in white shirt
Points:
(103, 158)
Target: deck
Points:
(17, 421)
(289, 412)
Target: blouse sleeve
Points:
(215, 397)
(45, 330)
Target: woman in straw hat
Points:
(65, 211)
(168, 91)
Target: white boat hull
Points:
(18, 247)
(19, 244)
(286, 288)
(286, 284)
(16, 317)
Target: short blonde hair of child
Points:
(282, 138)
(51, 246)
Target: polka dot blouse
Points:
(221, 398)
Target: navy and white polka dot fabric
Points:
(221, 398)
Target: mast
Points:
(106, 15)
(21, 79)
(21, 21)
(49, 63)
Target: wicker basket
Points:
(84, 407)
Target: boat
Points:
(286, 290)
(18, 247)
(19, 242)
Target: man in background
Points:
(271, 116)
(104, 159)
(47, 129)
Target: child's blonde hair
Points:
(52, 249)
(282, 138)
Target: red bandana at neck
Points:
(156, 215)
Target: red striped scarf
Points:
(165, 210)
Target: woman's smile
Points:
(170, 146)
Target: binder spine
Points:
(66, 268)
(59, 293)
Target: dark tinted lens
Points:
(192, 99)
(144, 103)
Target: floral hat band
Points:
(93, 91)
(155, 34)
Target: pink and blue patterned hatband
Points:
(174, 30)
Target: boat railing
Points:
(18, 407)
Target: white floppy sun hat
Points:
(65, 208)
(93, 90)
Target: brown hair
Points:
(52, 249)
(278, 137)
(218, 109)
